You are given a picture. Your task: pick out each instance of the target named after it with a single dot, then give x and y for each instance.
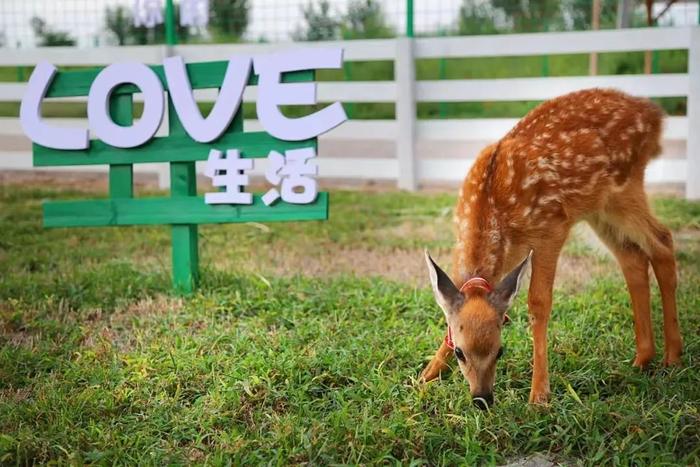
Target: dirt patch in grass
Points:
(399, 265)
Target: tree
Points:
(228, 18)
(532, 15)
(47, 37)
(365, 20)
(581, 13)
(476, 19)
(320, 26)
(119, 22)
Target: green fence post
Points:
(442, 74)
(183, 182)
(170, 32)
(409, 18)
(349, 106)
(545, 58)
(121, 176)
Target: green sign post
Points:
(183, 210)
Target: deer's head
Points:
(475, 317)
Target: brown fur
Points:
(581, 156)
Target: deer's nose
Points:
(483, 401)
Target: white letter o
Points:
(99, 118)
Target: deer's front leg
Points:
(438, 364)
(539, 302)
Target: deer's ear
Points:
(446, 294)
(503, 295)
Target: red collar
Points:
(476, 283)
(448, 339)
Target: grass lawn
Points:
(304, 342)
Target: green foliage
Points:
(476, 18)
(119, 22)
(581, 12)
(514, 16)
(47, 37)
(228, 19)
(365, 20)
(319, 23)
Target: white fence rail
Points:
(392, 149)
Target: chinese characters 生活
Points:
(292, 173)
(228, 173)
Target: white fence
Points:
(412, 151)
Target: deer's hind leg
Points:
(664, 263)
(632, 232)
(634, 263)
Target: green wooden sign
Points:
(183, 210)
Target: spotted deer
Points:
(578, 157)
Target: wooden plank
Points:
(354, 50)
(348, 91)
(179, 148)
(455, 170)
(462, 129)
(692, 187)
(202, 75)
(515, 89)
(362, 49)
(181, 210)
(406, 114)
(121, 176)
(550, 43)
(81, 56)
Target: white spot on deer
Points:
(547, 199)
(472, 199)
(531, 180)
(543, 163)
(527, 211)
(512, 199)
(550, 176)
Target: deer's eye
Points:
(459, 354)
(500, 353)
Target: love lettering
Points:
(271, 94)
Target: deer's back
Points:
(563, 159)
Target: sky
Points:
(272, 20)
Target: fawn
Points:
(580, 156)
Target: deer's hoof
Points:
(539, 397)
(642, 361)
(672, 358)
